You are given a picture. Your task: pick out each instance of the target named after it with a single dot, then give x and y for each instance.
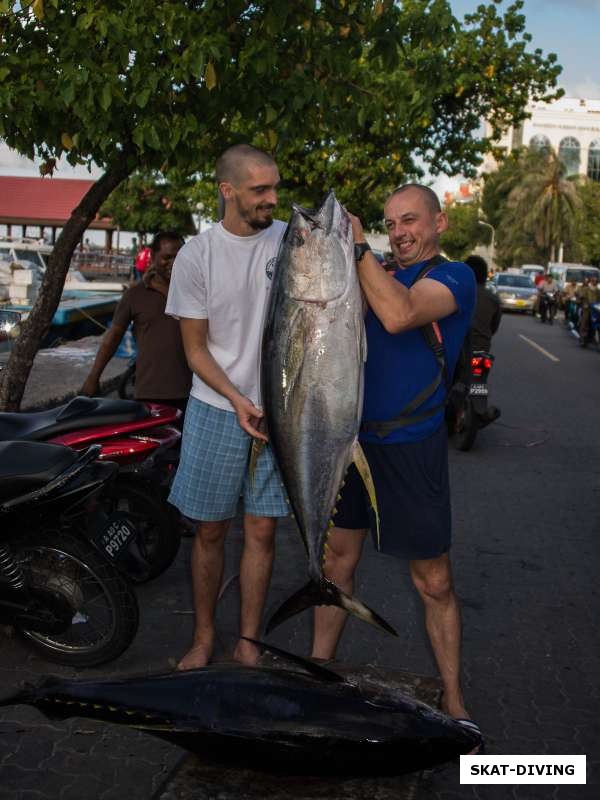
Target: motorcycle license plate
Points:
(478, 389)
(115, 536)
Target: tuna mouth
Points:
(308, 215)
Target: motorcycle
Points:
(60, 585)
(593, 331)
(139, 437)
(547, 306)
(469, 412)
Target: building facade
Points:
(570, 126)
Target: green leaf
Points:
(152, 138)
(142, 98)
(106, 96)
(68, 93)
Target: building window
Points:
(593, 169)
(540, 142)
(568, 152)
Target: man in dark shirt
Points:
(162, 372)
(488, 313)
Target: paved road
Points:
(526, 555)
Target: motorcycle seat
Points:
(25, 466)
(77, 414)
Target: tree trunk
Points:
(36, 326)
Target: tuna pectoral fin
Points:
(316, 670)
(325, 593)
(362, 465)
(257, 447)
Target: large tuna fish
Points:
(313, 354)
(306, 721)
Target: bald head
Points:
(234, 164)
(429, 196)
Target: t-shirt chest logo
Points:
(270, 268)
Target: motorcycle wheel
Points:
(105, 610)
(158, 534)
(465, 430)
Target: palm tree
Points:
(545, 202)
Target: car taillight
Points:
(476, 367)
(487, 363)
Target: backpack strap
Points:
(433, 339)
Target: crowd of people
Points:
(210, 295)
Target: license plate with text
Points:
(115, 537)
(479, 389)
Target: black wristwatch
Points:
(360, 250)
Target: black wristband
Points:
(360, 250)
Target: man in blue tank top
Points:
(417, 320)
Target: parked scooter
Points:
(137, 436)
(473, 413)
(547, 306)
(60, 585)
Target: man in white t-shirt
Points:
(219, 289)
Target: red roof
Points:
(43, 201)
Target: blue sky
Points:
(569, 28)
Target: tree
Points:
(514, 242)
(544, 204)
(149, 202)
(585, 244)
(464, 231)
(132, 85)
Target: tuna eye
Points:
(297, 240)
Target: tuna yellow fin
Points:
(362, 465)
(258, 446)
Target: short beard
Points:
(260, 224)
(254, 222)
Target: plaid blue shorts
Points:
(213, 469)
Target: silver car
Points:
(515, 292)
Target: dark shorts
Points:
(413, 498)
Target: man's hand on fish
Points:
(249, 417)
(357, 229)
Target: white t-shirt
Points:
(226, 279)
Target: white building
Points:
(571, 126)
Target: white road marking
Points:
(539, 347)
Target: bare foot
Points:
(246, 653)
(197, 657)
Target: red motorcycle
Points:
(143, 441)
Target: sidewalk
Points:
(58, 373)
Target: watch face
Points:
(360, 250)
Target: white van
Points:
(532, 270)
(571, 273)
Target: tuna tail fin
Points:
(326, 593)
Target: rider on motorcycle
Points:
(488, 313)
(547, 292)
(588, 294)
(485, 322)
